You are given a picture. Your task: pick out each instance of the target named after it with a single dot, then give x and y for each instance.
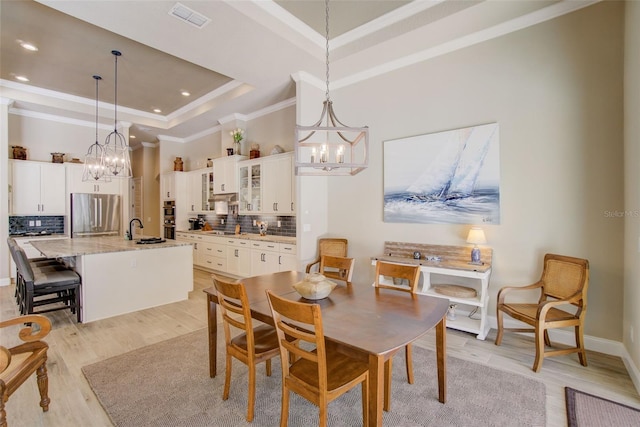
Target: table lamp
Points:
(476, 236)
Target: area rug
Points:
(584, 410)
(168, 384)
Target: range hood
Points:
(230, 198)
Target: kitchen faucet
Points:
(130, 235)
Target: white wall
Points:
(556, 91)
(631, 320)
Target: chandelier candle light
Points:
(476, 237)
(342, 150)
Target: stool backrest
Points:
(22, 262)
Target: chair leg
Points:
(268, 367)
(409, 358)
(322, 404)
(284, 410)
(582, 354)
(78, 305)
(365, 402)
(547, 340)
(227, 378)
(43, 386)
(252, 392)
(388, 368)
(500, 328)
(537, 364)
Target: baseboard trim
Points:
(601, 345)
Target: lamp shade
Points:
(476, 236)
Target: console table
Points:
(449, 262)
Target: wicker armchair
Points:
(564, 283)
(332, 247)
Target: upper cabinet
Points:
(168, 185)
(38, 188)
(76, 185)
(200, 190)
(225, 174)
(250, 194)
(278, 184)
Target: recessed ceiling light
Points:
(185, 93)
(157, 110)
(28, 46)
(132, 136)
(22, 78)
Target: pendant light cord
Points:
(327, 43)
(98, 78)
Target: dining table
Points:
(366, 322)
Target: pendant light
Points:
(115, 158)
(332, 148)
(93, 170)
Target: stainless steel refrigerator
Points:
(95, 215)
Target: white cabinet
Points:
(225, 174)
(271, 257)
(76, 185)
(238, 257)
(250, 193)
(212, 254)
(189, 238)
(38, 188)
(200, 190)
(168, 185)
(278, 188)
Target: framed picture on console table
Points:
(444, 177)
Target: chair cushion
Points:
(528, 312)
(16, 360)
(55, 278)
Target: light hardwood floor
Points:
(73, 346)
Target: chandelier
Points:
(93, 170)
(332, 148)
(115, 155)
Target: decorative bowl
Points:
(314, 286)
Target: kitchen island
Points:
(121, 276)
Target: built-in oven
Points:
(169, 208)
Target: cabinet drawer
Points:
(212, 262)
(287, 248)
(266, 246)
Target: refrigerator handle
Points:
(100, 200)
(95, 212)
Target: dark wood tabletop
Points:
(372, 324)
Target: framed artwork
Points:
(444, 177)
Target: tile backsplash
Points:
(287, 223)
(28, 224)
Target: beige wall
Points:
(631, 321)
(556, 92)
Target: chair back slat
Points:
(400, 277)
(234, 306)
(337, 267)
(303, 322)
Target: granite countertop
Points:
(60, 248)
(248, 236)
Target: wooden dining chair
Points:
(252, 345)
(563, 284)
(338, 268)
(329, 246)
(404, 278)
(318, 373)
(18, 363)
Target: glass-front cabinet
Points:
(250, 195)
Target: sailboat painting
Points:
(444, 177)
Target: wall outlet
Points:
(32, 223)
(279, 224)
(38, 223)
(221, 221)
(254, 223)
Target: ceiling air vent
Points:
(188, 15)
